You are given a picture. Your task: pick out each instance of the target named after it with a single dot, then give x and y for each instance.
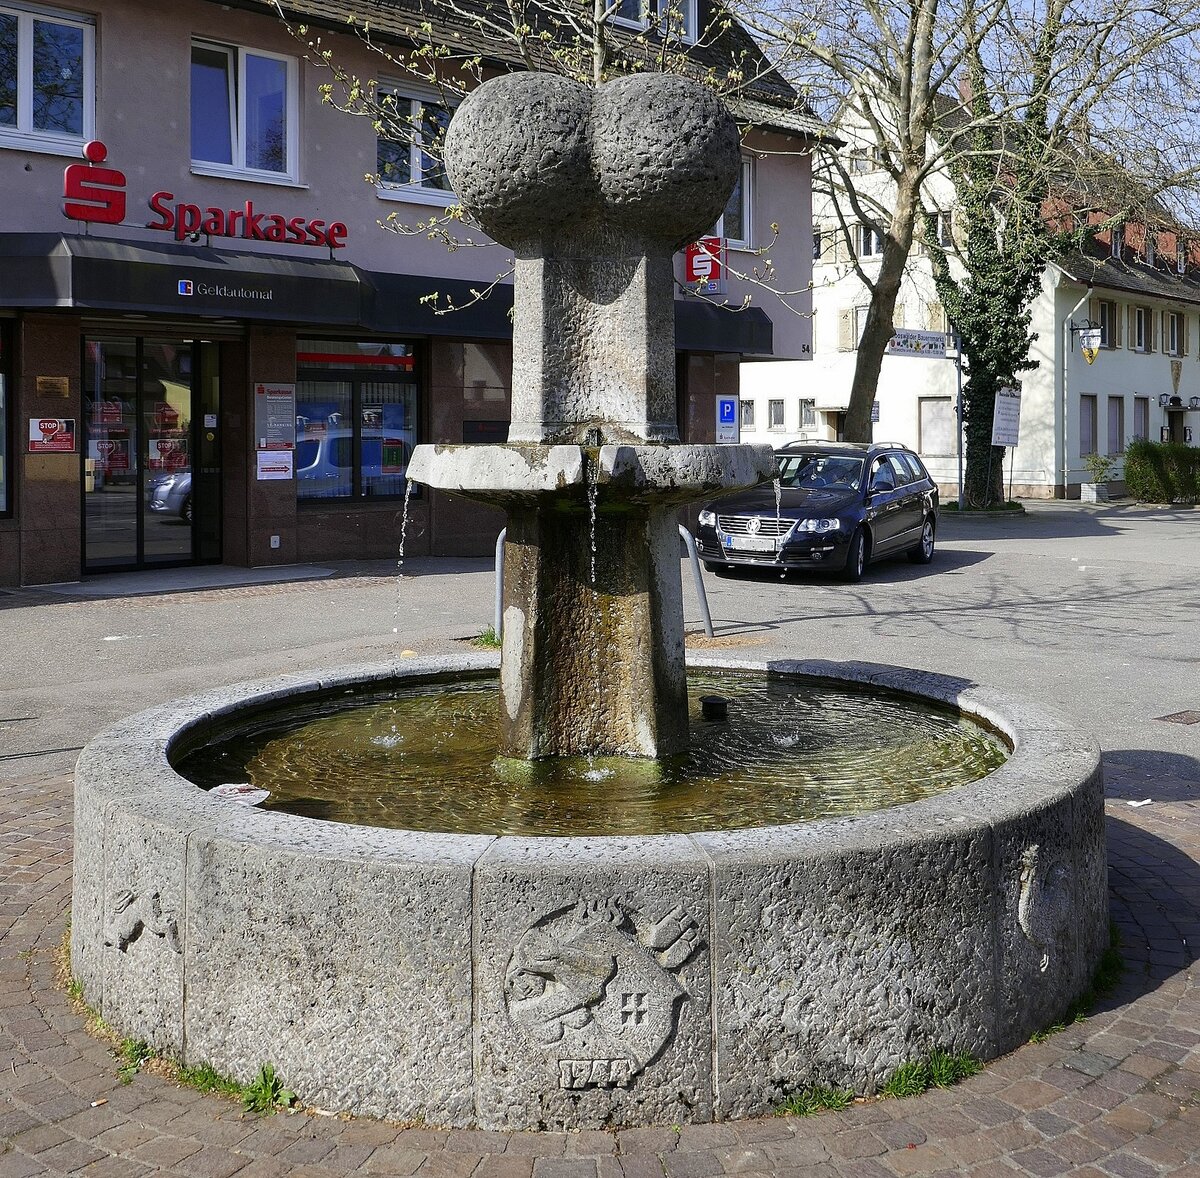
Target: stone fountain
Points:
(594, 191)
(522, 982)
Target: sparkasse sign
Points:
(97, 195)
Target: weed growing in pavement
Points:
(939, 1069)
(817, 1099)
(265, 1093)
(487, 638)
(133, 1053)
(207, 1080)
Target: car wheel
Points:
(185, 511)
(922, 551)
(856, 557)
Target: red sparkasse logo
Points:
(92, 193)
(97, 195)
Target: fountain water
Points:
(517, 981)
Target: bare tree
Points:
(925, 85)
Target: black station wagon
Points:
(839, 505)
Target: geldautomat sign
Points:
(97, 194)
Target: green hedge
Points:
(1162, 472)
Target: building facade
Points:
(1139, 289)
(210, 349)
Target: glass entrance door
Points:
(146, 404)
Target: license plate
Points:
(750, 543)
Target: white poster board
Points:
(1006, 418)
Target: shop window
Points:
(409, 154)
(747, 414)
(47, 79)
(6, 423)
(356, 418)
(734, 224)
(243, 112)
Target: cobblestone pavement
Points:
(1118, 1094)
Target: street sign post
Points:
(728, 433)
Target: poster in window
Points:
(52, 435)
(275, 416)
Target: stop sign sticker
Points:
(52, 435)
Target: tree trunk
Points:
(879, 327)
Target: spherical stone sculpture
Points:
(654, 154)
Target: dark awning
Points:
(100, 274)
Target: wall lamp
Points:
(1194, 403)
(1164, 399)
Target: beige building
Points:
(210, 349)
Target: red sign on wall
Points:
(97, 195)
(704, 265)
(51, 435)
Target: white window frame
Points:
(746, 414)
(1149, 250)
(651, 10)
(944, 229)
(808, 413)
(869, 235)
(1117, 247)
(412, 193)
(237, 114)
(771, 406)
(1181, 259)
(747, 180)
(24, 136)
(1142, 319)
(860, 323)
(1106, 309)
(1174, 333)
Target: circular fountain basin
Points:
(514, 981)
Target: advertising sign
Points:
(929, 345)
(1089, 343)
(704, 264)
(1006, 417)
(274, 464)
(275, 416)
(52, 435)
(727, 421)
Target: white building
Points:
(1141, 290)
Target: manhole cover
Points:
(1181, 718)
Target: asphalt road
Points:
(1092, 610)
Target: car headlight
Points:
(707, 519)
(817, 525)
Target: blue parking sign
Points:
(727, 420)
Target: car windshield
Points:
(839, 471)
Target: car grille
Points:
(739, 525)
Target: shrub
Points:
(1162, 472)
